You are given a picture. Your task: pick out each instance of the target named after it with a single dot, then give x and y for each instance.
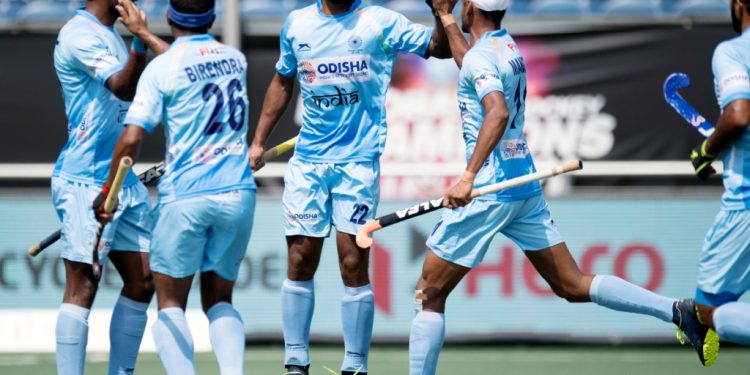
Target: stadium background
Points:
(595, 74)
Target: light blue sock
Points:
(174, 342)
(357, 315)
(617, 294)
(227, 338)
(732, 322)
(72, 334)
(297, 305)
(125, 335)
(425, 340)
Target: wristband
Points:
(468, 177)
(138, 46)
(447, 20)
(105, 190)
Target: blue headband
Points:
(190, 20)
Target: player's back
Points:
(198, 90)
(86, 54)
(495, 63)
(731, 67)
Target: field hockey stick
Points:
(110, 204)
(148, 177)
(279, 149)
(672, 85)
(363, 235)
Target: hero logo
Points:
(303, 216)
(514, 149)
(212, 153)
(336, 70)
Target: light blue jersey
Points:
(198, 90)
(731, 67)
(343, 64)
(494, 64)
(86, 55)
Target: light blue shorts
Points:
(129, 230)
(724, 264)
(206, 233)
(462, 236)
(317, 195)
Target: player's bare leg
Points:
(129, 315)
(80, 284)
(558, 268)
(437, 280)
(357, 304)
(225, 324)
(298, 300)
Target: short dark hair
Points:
(496, 15)
(192, 7)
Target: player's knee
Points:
(430, 299)
(353, 265)
(141, 289)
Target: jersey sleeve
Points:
(483, 73)
(146, 109)
(90, 54)
(730, 75)
(405, 36)
(287, 64)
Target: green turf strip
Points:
(466, 360)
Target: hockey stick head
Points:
(674, 83)
(364, 240)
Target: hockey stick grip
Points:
(45, 243)
(280, 149)
(122, 170)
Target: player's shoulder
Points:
(731, 47)
(382, 14)
(297, 15)
(77, 32)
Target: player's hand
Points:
(256, 157)
(98, 206)
(702, 161)
(459, 195)
(443, 6)
(132, 17)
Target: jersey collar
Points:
(494, 34)
(194, 38)
(354, 6)
(85, 14)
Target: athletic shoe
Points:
(296, 370)
(704, 340)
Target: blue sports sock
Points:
(297, 305)
(425, 340)
(125, 335)
(72, 334)
(357, 315)
(732, 322)
(617, 294)
(174, 342)
(227, 338)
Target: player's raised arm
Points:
(124, 82)
(135, 20)
(447, 36)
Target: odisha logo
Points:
(303, 216)
(342, 67)
(308, 71)
(355, 42)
